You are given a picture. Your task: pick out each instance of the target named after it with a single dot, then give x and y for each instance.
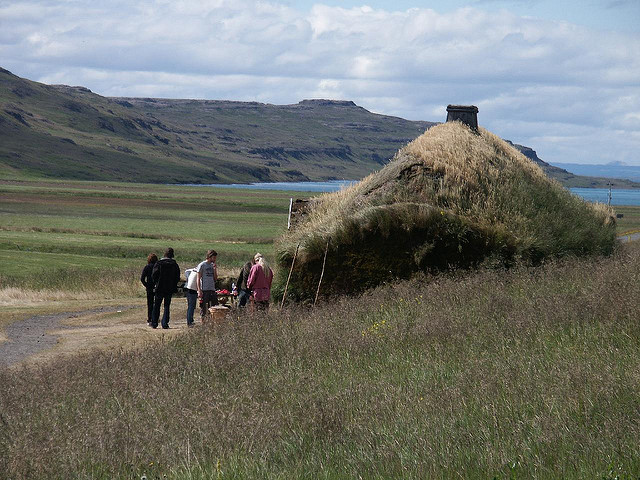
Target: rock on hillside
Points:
(449, 199)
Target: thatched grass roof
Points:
(450, 198)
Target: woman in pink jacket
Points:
(259, 282)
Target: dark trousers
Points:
(209, 299)
(243, 297)
(150, 297)
(192, 298)
(159, 298)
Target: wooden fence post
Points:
(284, 295)
(322, 274)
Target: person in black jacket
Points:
(147, 281)
(166, 275)
(243, 291)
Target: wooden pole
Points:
(284, 295)
(322, 274)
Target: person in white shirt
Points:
(191, 292)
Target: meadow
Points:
(526, 373)
(630, 221)
(71, 226)
(66, 227)
(520, 373)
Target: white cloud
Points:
(530, 77)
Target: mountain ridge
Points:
(611, 170)
(69, 132)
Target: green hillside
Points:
(72, 133)
(57, 131)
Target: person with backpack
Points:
(244, 292)
(166, 275)
(191, 292)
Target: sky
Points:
(562, 77)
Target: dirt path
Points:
(46, 337)
(34, 335)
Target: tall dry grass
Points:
(59, 284)
(13, 296)
(524, 373)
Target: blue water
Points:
(618, 197)
(330, 186)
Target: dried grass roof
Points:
(478, 179)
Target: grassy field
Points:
(527, 373)
(521, 373)
(76, 226)
(630, 222)
(65, 234)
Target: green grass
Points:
(114, 246)
(630, 222)
(26, 265)
(92, 225)
(526, 373)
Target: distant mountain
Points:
(69, 132)
(58, 131)
(610, 170)
(570, 179)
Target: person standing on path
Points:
(259, 282)
(166, 275)
(243, 291)
(147, 281)
(207, 276)
(191, 292)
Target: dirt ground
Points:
(39, 338)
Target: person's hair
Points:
(256, 257)
(265, 266)
(152, 258)
(212, 253)
(168, 253)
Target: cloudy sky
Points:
(562, 77)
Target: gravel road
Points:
(29, 336)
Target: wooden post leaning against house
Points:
(322, 273)
(284, 295)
